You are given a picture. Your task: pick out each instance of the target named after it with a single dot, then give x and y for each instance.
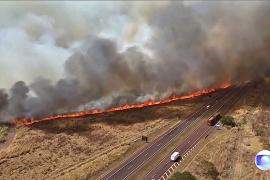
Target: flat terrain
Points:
(84, 148)
(3, 132)
(232, 150)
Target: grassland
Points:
(86, 147)
(232, 150)
(3, 132)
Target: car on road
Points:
(208, 106)
(175, 156)
(217, 126)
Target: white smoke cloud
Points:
(73, 55)
(25, 58)
(37, 37)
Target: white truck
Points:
(175, 156)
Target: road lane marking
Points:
(166, 174)
(196, 141)
(130, 166)
(178, 125)
(229, 93)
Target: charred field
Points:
(80, 148)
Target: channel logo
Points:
(262, 160)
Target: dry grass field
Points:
(3, 132)
(232, 150)
(84, 148)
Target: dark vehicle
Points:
(214, 119)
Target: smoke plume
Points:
(66, 59)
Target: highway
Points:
(137, 160)
(164, 168)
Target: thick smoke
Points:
(36, 38)
(3, 99)
(188, 46)
(212, 42)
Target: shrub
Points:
(182, 176)
(228, 120)
(209, 169)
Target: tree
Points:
(228, 120)
(209, 169)
(182, 176)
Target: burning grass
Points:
(232, 150)
(81, 147)
(29, 121)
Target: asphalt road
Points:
(161, 169)
(137, 160)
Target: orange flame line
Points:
(29, 121)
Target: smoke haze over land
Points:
(65, 56)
